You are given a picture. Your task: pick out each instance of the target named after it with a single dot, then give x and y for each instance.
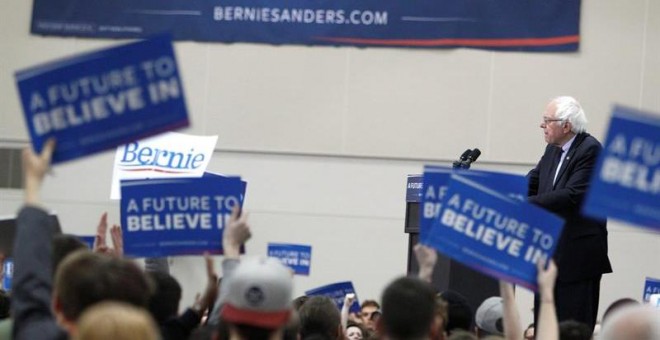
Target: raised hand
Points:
(100, 241)
(35, 168)
(426, 258)
(236, 233)
(211, 292)
(546, 279)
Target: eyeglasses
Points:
(546, 120)
(371, 315)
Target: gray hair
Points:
(569, 109)
(632, 322)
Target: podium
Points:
(448, 274)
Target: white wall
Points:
(325, 136)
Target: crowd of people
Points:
(63, 290)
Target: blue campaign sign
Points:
(88, 240)
(434, 187)
(178, 216)
(626, 182)
(414, 186)
(243, 184)
(493, 233)
(548, 25)
(297, 257)
(651, 286)
(8, 271)
(97, 101)
(337, 292)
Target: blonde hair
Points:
(113, 320)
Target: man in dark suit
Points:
(558, 183)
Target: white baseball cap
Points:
(259, 293)
(489, 315)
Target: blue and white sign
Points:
(297, 257)
(436, 179)
(168, 155)
(414, 186)
(337, 292)
(243, 183)
(8, 271)
(493, 233)
(536, 25)
(651, 287)
(99, 100)
(178, 216)
(626, 182)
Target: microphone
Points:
(463, 158)
(471, 158)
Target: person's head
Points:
(319, 317)
(63, 245)
(563, 118)
(299, 301)
(529, 332)
(408, 306)
(460, 313)
(259, 298)
(632, 322)
(369, 312)
(164, 303)
(440, 319)
(573, 330)
(618, 304)
(489, 317)
(86, 278)
(116, 321)
(355, 331)
(292, 328)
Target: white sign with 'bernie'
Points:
(167, 155)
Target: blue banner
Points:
(178, 216)
(533, 25)
(8, 271)
(337, 292)
(100, 100)
(626, 182)
(493, 233)
(651, 286)
(297, 257)
(435, 182)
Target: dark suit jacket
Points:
(582, 249)
(33, 278)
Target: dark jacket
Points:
(582, 249)
(33, 278)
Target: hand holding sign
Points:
(182, 216)
(488, 230)
(349, 299)
(548, 327)
(95, 101)
(546, 279)
(236, 233)
(35, 168)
